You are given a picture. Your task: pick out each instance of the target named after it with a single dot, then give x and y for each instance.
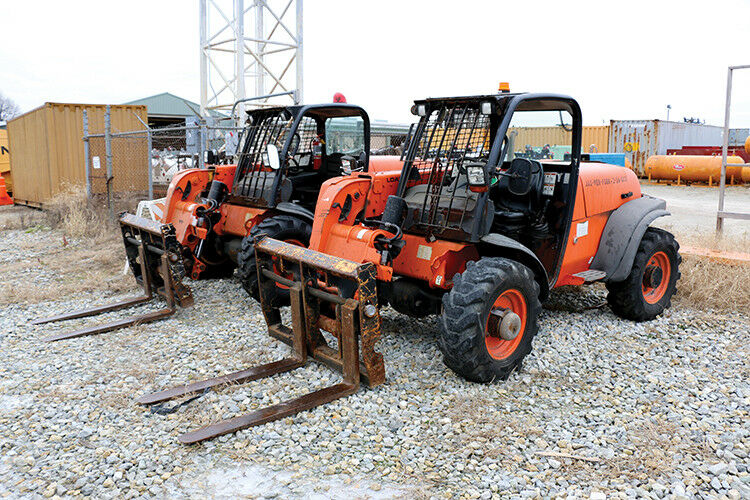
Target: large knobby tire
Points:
(652, 281)
(467, 346)
(280, 227)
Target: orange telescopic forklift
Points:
(471, 230)
(212, 215)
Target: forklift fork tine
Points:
(170, 288)
(93, 311)
(269, 413)
(350, 357)
(247, 375)
(238, 377)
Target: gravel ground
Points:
(602, 407)
(694, 208)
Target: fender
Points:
(498, 245)
(622, 235)
(294, 209)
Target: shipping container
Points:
(595, 138)
(737, 136)
(639, 139)
(5, 160)
(48, 150)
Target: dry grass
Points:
(71, 212)
(68, 270)
(18, 217)
(85, 256)
(711, 284)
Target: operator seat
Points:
(513, 209)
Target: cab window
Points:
(543, 135)
(345, 135)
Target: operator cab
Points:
(466, 177)
(286, 153)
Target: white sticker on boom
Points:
(361, 233)
(550, 179)
(424, 252)
(95, 162)
(582, 229)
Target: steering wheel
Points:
(293, 165)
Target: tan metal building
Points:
(48, 150)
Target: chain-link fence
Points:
(137, 165)
(387, 143)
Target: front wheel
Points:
(281, 227)
(489, 319)
(652, 281)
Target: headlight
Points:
(475, 175)
(419, 110)
(485, 108)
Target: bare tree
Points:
(8, 108)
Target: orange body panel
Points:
(434, 262)
(579, 210)
(181, 213)
(600, 191)
(604, 187)
(238, 220)
(580, 250)
(385, 172)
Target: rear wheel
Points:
(281, 227)
(652, 281)
(489, 319)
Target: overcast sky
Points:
(621, 60)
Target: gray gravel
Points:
(602, 407)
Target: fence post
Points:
(87, 168)
(202, 141)
(108, 149)
(150, 165)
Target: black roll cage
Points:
(320, 113)
(503, 108)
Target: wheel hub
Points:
(505, 324)
(652, 276)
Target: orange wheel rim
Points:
(656, 276)
(277, 268)
(500, 348)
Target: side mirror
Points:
(519, 176)
(273, 157)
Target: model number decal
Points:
(424, 252)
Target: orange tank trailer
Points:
(691, 168)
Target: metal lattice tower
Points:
(250, 41)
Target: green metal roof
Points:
(170, 105)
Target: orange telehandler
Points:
(213, 215)
(470, 230)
